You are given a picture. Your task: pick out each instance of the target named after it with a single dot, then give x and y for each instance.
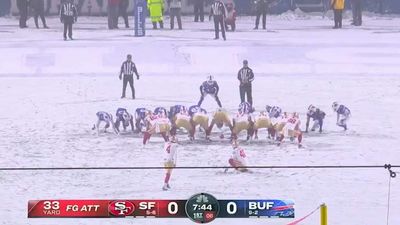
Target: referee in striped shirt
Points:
(219, 13)
(245, 76)
(128, 68)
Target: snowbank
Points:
(300, 45)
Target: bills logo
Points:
(121, 208)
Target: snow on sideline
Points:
(304, 46)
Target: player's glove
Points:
(120, 77)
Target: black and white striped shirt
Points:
(245, 75)
(218, 9)
(68, 10)
(128, 68)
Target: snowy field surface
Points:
(50, 91)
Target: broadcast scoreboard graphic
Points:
(200, 208)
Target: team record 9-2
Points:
(200, 208)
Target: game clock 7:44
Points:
(202, 208)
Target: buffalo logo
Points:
(121, 208)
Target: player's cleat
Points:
(165, 188)
(300, 146)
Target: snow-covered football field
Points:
(50, 91)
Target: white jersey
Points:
(170, 153)
(155, 121)
(239, 156)
(242, 117)
(277, 120)
(292, 123)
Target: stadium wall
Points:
(243, 7)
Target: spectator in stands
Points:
(123, 11)
(23, 12)
(38, 10)
(198, 10)
(156, 8)
(338, 6)
(113, 14)
(175, 11)
(380, 6)
(5, 7)
(100, 3)
(261, 10)
(48, 7)
(80, 5)
(230, 19)
(356, 8)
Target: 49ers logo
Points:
(121, 208)
(292, 120)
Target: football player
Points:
(318, 117)
(170, 157)
(124, 117)
(343, 114)
(106, 118)
(209, 87)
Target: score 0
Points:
(231, 208)
(172, 208)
